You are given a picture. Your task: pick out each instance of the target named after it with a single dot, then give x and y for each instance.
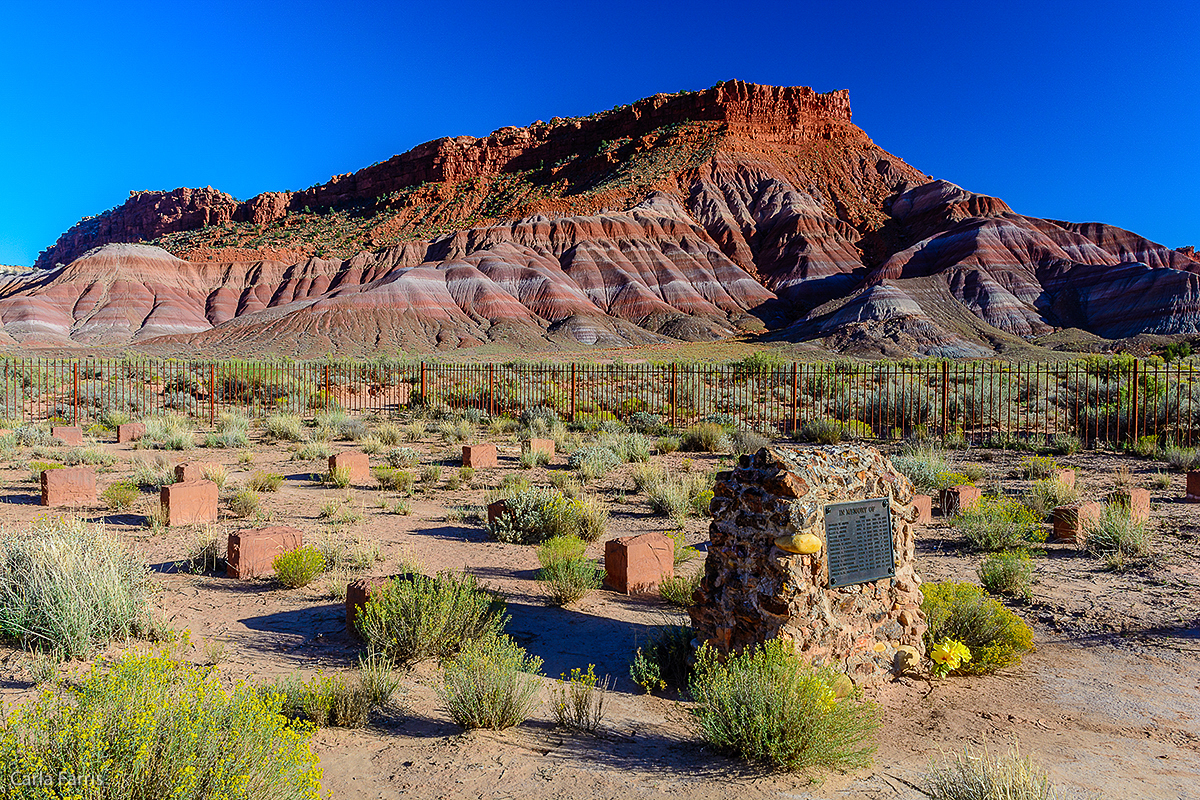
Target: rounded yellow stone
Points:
(804, 544)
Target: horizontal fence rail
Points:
(1096, 400)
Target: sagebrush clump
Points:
(69, 586)
(767, 705)
(414, 617)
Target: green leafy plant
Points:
(706, 437)
(299, 567)
(1116, 536)
(244, 502)
(665, 659)
(767, 705)
(490, 683)
(153, 727)
(1037, 466)
(344, 700)
(70, 587)
(998, 523)
(678, 590)
(578, 699)
(415, 617)
(120, 495)
(1009, 573)
(996, 637)
(265, 481)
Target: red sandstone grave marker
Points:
(69, 486)
(637, 564)
(479, 456)
(71, 435)
(189, 503)
(251, 553)
(353, 460)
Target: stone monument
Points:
(814, 545)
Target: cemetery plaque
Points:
(858, 542)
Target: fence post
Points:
(945, 398)
(325, 391)
(1133, 398)
(76, 420)
(212, 394)
(795, 396)
(572, 391)
(424, 399)
(492, 390)
(674, 392)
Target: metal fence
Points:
(1108, 400)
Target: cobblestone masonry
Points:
(754, 590)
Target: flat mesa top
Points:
(858, 541)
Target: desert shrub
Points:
(535, 514)
(299, 567)
(285, 427)
(92, 456)
(341, 512)
(155, 474)
(313, 451)
(666, 658)
(112, 418)
(1063, 444)
(1037, 466)
(821, 431)
(593, 462)
(566, 575)
(767, 705)
(591, 517)
(578, 699)
(672, 494)
(431, 474)
(707, 437)
(533, 458)
(1008, 573)
(678, 590)
(923, 464)
(645, 423)
(415, 617)
(232, 431)
(343, 701)
(541, 418)
(389, 434)
(560, 548)
(682, 550)
(244, 502)
(36, 468)
(402, 457)
(629, 447)
(746, 441)
(1181, 459)
(668, 444)
(1145, 446)
(168, 433)
(1042, 497)
(1116, 536)
(370, 445)
(491, 683)
(981, 775)
(996, 637)
(998, 523)
(396, 480)
(152, 727)
(120, 495)
(215, 473)
(1161, 480)
(70, 587)
(32, 436)
(265, 481)
(339, 477)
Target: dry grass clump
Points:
(981, 775)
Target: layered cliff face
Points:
(689, 216)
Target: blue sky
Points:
(1078, 111)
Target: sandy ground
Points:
(1109, 703)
